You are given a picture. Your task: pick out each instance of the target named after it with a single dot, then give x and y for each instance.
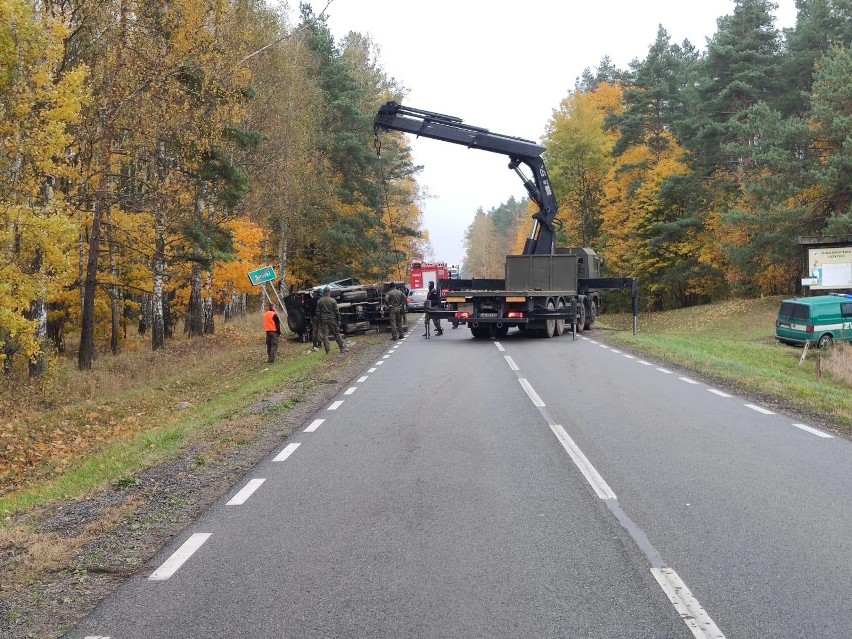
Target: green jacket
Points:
(327, 309)
(395, 297)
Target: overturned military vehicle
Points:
(362, 306)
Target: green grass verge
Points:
(158, 444)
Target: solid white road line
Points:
(361, 379)
(173, 563)
(664, 370)
(241, 497)
(499, 347)
(314, 425)
(510, 362)
(717, 392)
(350, 390)
(528, 389)
(814, 431)
(692, 613)
(288, 450)
(759, 409)
(336, 405)
(372, 370)
(592, 476)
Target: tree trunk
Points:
(195, 316)
(157, 321)
(113, 291)
(86, 352)
(207, 305)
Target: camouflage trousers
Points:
(395, 316)
(330, 328)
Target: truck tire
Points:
(296, 321)
(560, 323)
(354, 296)
(581, 321)
(479, 332)
(592, 315)
(549, 329)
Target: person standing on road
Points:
(433, 300)
(272, 326)
(311, 310)
(395, 300)
(329, 320)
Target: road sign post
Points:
(259, 277)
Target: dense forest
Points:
(696, 172)
(155, 151)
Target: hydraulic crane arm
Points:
(395, 117)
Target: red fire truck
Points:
(421, 273)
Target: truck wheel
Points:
(560, 323)
(592, 315)
(296, 321)
(479, 332)
(581, 321)
(550, 324)
(498, 331)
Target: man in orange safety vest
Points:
(272, 326)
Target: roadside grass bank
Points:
(84, 430)
(734, 341)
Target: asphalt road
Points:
(520, 488)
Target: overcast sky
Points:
(505, 66)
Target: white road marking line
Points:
(643, 362)
(336, 405)
(350, 390)
(759, 409)
(361, 379)
(664, 370)
(499, 347)
(687, 380)
(585, 339)
(510, 362)
(528, 389)
(246, 492)
(288, 450)
(628, 356)
(372, 370)
(592, 476)
(718, 392)
(814, 431)
(593, 341)
(96, 637)
(314, 425)
(615, 351)
(385, 356)
(379, 363)
(692, 612)
(603, 346)
(180, 556)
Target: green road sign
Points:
(261, 275)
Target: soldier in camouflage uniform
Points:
(395, 300)
(329, 319)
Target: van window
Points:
(846, 309)
(786, 310)
(801, 311)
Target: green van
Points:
(819, 320)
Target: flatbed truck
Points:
(547, 290)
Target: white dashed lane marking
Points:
(813, 431)
(528, 389)
(372, 370)
(314, 425)
(664, 370)
(241, 497)
(759, 409)
(180, 556)
(350, 390)
(687, 380)
(361, 380)
(336, 405)
(288, 450)
(510, 362)
(717, 392)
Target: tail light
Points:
(515, 315)
(462, 315)
(809, 328)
